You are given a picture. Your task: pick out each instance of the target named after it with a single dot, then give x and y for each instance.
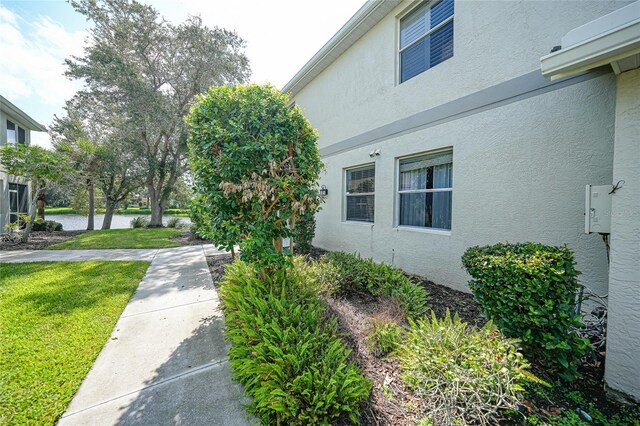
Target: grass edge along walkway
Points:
(56, 317)
(139, 238)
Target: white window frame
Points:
(398, 192)
(399, 19)
(15, 130)
(346, 194)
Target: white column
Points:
(622, 373)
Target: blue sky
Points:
(36, 37)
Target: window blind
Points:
(422, 46)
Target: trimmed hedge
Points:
(528, 290)
(378, 279)
(286, 350)
(46, 226)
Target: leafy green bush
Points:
(467, 374)
(384, 338)
(378, 279)
(529, 290)
(286, 350)
(46, 226)
(304, 231)
(255, 168)
(139, 222)
(174, 222)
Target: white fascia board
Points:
(606, 47)
(22, 116)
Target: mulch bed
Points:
(40, 240)
(391, 403)
(188, 238)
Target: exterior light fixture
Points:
(324, 191)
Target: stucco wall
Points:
(519, 173)
(623, 335)
(494, 41)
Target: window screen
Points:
(360, 193)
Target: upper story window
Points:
(15, 134)
(11, 133)
(426, 38)
(360, 193)
(425, 187)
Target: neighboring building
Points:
(15, 193)
(439, 132)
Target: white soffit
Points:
(362, 21)
(611, 39)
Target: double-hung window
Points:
(425, 188)
(360, 193)
(426, 38)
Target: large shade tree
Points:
(148, 71)
(102, 152)
(255, 166)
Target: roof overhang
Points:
(21, 115)
(611, 39)
(362, 21)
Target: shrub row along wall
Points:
(286, 350)
(353, 274)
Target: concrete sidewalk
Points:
(166, 360)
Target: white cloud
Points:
(7, 16)
(33, 69)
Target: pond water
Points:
(76, 222)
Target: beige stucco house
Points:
(15, 128)
(442, 128)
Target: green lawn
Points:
(55, 317)
(60, 210)
(136, 211)
(121, 239)
(146, 211)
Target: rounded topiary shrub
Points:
(255, 168)
(46, 226)
(528, 290)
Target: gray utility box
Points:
(597, 209)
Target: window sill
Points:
(435, 231)
(355, 222)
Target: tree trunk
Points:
(41, 201)
(108, 215)
(27, 229)
(157, 209)
(91, 205)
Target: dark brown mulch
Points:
(40, 240)
(188, 238)
(442, 298)
(216, 266)
(390, 402)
